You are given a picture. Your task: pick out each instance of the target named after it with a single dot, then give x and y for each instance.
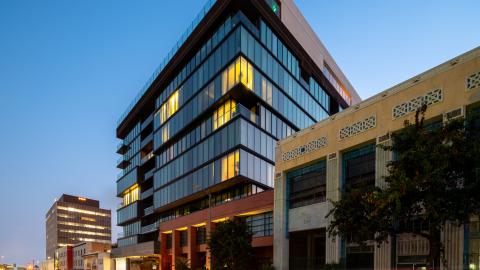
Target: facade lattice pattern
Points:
(428, 99)
(358, 127)
(473, 81)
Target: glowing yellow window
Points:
(224, 113)
(231, 76)
(227, 111)
(238, 70)
(246, 73)
(165, 133)
(131, 196)
(237, 162)
(169, 107)
(231, 165)
(224, 175)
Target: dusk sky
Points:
(69, 69)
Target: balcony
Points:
(122, 148)
(120, 205)
(147, 140)
(127, 213)
(241, 110)
(127, 241)
(147, 157)
(147, 193)
(149, 174)
(149, 210)
(140, 249)
(127, 181)
(146, 122)
(122, 163)
(150, 228)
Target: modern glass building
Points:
(198, 143)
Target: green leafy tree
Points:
(231, 245)
(182, 263)
(433, 179)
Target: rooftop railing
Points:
(169, 57)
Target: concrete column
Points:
(280, 220)
(163, 252)
(383, 253)
(333, 244)
(209, 259)
(176, 249)
(192, 247)
(453, 240)
(382, 158)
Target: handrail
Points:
(168, 57)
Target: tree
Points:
(182, 263)
(432, 180)
(231, 245)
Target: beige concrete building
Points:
(98, 261)
(313, 164)
(85, 255)
(63, 259)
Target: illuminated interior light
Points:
(73, 209)
(220, 220)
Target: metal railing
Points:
(241, 110)
(150, 228)
(169, 56)
(147, 193)
(149, 210)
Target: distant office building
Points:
(80, 251)
(198, 144)
(315, 165)
(72, 220)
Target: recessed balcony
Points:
(147, 157)
(122, 163)
(127, 213)
(127, 181)
(122, 148)
(146, 194)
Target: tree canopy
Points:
(231, 245)
(433, 179)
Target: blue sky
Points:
(68, 69)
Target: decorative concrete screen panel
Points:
(473, 81)
(358, 127)
(304, 149)
(428, 99)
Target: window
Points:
(307, 185)
(131, 196)
(241, 71)
(169, 240)
(183, 238)
(359, 167)
(169, 107)
(224, 113)
(201, 235)
(261, 225)
(230, 165)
